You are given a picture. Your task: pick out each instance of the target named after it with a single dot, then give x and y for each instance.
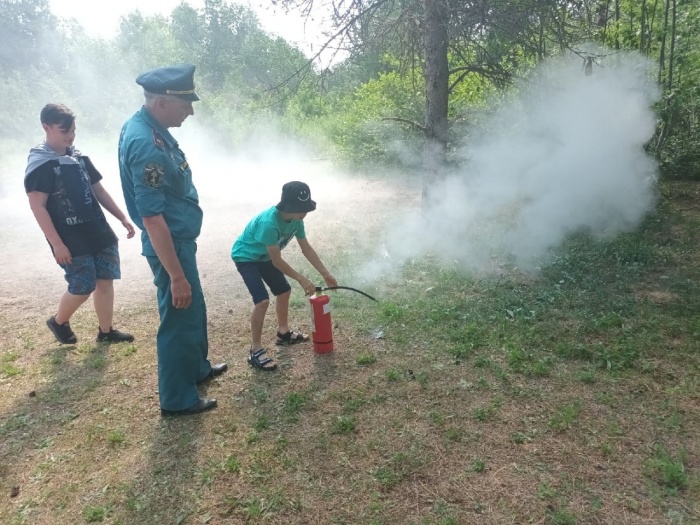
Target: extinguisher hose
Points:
(348, 288)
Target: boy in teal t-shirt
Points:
(258, 257)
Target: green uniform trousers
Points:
(182, 342)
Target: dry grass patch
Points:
(559, 399)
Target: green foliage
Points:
(237, 65)
(648, 28)
(251, 80)
(25, 26)
(147, 42)
(357, 128)
(680, 157)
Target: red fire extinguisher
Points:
(322, 326)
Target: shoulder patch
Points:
(153, 175)
(158, 141)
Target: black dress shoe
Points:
(200, 406)
(216, 370)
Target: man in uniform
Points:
(163, 202)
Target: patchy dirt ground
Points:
(379, 432)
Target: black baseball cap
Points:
(296, 198)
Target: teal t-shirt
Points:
(267, 229)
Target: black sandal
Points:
(261, 364)
(291, 338)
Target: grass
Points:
(478, 465)
(343, 425)
(116, 437)
(232, 464)
(565, 416)
(669, 472)
(95, 514)
(7, 366)
(366, 358)
(570, 396)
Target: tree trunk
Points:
(651, 27)
(672, 53)
(662, 53)
(436, 72)
(642, 24)
(617, 24)
(665, 83)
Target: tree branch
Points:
(343, 29)
(414, 125)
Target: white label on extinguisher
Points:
(326, 308)
(313, 323)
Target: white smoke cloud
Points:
(567, 155)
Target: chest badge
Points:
(158, 141)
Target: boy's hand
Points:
(307, 285)
(62, 254)
(129, 229)
(330, 281)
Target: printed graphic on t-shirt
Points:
(73, 193)
(285, 240)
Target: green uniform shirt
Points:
(157, 180)
(267, 229)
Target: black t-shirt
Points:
(81, 226)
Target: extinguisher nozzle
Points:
(351, 289)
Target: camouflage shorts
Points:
(83, 272)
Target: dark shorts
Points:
(254, 273)
(83, 272)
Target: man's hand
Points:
(62, 254)
(182, 292)
(330, 280)
(129, 229)
(307, 285)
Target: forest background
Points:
(376, 104)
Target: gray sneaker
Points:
(63, 332)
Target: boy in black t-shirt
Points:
(65, 194)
